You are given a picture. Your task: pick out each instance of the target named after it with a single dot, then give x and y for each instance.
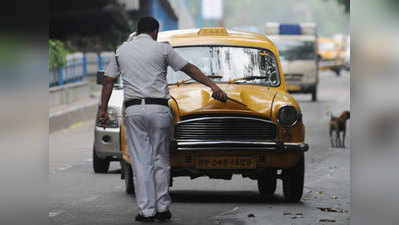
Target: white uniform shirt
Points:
(143, 64)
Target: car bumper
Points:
(107, 142)
(193, 145)
(330, 64)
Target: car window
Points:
(230, 62)
(296, 50)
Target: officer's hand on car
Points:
(103, 117)
(219, 94)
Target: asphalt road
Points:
(78, 196)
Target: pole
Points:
(199, 13)
(100, 63)
(84, 65)
(61, 75)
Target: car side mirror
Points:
(100, 77)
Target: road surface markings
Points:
(119, 186)
(55, 213)
(89, 160)
(89, 199)
(67, 166)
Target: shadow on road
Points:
(195, 196)
(117, 171)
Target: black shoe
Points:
(142, 218)
(163, 215)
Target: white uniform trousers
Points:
(147, 133)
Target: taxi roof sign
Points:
(291, 29)
(212, 31)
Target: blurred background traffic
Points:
(84, 35)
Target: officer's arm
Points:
(106, 92)
(195, 73)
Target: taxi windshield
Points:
(230, 63)
(296, 50)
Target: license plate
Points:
(225, 163)
(293, 87)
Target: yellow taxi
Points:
(327, 49)
(258, 133)
(330, 55)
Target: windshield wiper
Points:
(209, 76)
(247, 78)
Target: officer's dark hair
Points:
(147, 24)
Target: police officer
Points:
(143, 64)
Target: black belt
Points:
(156, 101)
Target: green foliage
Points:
(57, 54)
(95, 25)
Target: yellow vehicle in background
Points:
(330, 55)
(258, 133)
(342, 42)
(327, 49)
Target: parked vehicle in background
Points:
(330, 55)
(297, 46)
(258, 133)
(107, 139)
(327, 49)
(340, 42)
(106, 147)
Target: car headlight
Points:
(114, 117)
(287, 116)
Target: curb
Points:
(65, 119)
(68, 93)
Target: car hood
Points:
(197, 99)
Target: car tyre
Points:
(100, 165)
(267, 183)
(293, 181)
(314, 95)
(337, 71)
(128, 175)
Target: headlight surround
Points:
(288, 116)
(114, 117)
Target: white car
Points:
(297, 46)
(106, 147)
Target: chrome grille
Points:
(293, 76)
(226, 128)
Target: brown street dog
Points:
(338, 124)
